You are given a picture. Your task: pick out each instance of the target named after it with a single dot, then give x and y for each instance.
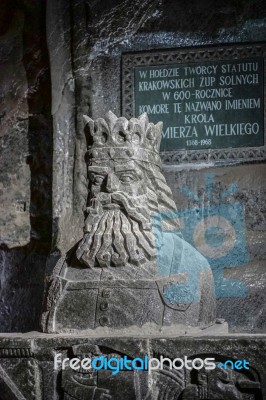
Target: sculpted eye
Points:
(126, 178)
(97, 180)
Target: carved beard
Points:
(116, 232)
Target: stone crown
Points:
(119, 138)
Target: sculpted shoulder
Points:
(177, 255)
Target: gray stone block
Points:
(131, 269)
(27, 368)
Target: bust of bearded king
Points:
(132, 269)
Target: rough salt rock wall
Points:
(101, 33)
(14, 172)
(85, 41)
(242, 303)
(25, 163)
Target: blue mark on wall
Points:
(218, 233)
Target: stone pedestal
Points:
(27, 367)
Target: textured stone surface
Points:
(25, 130)
(15, 173)
(248, 185)
(85, 42)
(102, 33)
(25, 163)
(21, 289)
(27, 368)
(131, 269)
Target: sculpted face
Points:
(116, 176)
(125, 183)
(118, 228)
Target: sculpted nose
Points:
(111, 184)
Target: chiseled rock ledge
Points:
(27, 366)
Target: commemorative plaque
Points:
(208, 100)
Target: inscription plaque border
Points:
(187, 55)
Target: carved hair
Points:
(158, 189)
